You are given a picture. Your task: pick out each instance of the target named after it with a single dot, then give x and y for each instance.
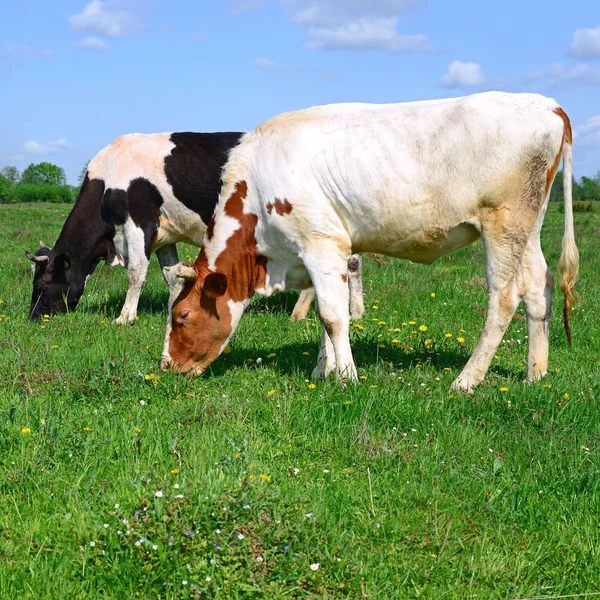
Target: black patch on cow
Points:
(144, 208)
(193, 169)
(114, 208)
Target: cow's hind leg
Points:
(357, 300)
(536, 280)
(329, 274)
(137, 268)
(303, 304)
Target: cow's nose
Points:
(165, 363)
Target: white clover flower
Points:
(315, 567)
(158, 493)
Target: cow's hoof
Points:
(462, 385)
(122, 320)
(298, 316)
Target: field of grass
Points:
(120, 481)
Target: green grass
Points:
(394, 487)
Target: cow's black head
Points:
(58, 283)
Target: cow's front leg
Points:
(137, 267)
(329, 274)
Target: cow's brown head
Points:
(214, 294)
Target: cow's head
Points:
(203, 319)
(212, 294)
(59, 280)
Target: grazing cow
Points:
(416, 180)
(141, 194)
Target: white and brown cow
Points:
(415, 181)
(142, 193)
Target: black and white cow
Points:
(143, 193)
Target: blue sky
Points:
(74, 75)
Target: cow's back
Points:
(404, 179)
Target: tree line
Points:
(41, 182)
(45, 182)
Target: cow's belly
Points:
(189, 229)
(420, 245)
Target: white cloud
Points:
(239, 6)
(356, 25)
(266, 64)
(20, 49)
(106, 18)
(94, 43)
(585, 44)
(463, 75)
(560, 75)
(329, 13)
(34, 147)
(589, 134)
(367, 34)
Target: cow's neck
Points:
(85, 236)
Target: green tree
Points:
(590, 189)
(44, 172)
(83, 173)
(11, 173)
(6, 189)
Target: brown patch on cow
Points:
(196, 340)
(344, 277)
(567, 138)
(281, 208)
(568, 132)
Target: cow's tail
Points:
(568, 265)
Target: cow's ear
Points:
(215, 285)
(63, 261)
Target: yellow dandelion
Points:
(238, 455)
(504, 389)
(87, 428)
(460, 340)
(375, 307)
(496, 357)
(396, 329)
(312, 386)
(306, 354)
(372, 387)
(347, 402)
(433, 294)
(422, 327)
(54, 346)
(137, 429)
(174, 471)
(412, 322)
(43, 421)
(447, 369)
(251, 476)
(363, 377)
(382, 345)
(374, 319)
(265, 477)
(547, 386)
(42, 327)
(271, 392)
(565, 396)
(448, 335)
(450, 395)
(227, 349)
(25, 430)
(395, 342)
(403, 325)
(428, 343)
(272, 355)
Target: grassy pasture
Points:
(119, 481)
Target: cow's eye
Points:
(184, 315)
